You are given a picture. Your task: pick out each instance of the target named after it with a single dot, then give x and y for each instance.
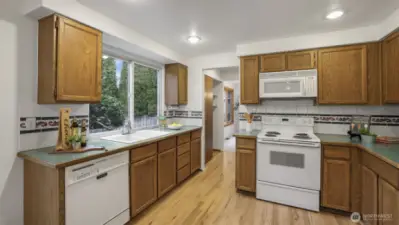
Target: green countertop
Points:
(387, 152)
(244, 133)
(43, 157)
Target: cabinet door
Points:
(195, 155)
(79, 62)
(391, 69)
(183, 83)
(246, 170)
(166, 171)
(249, 80)
(369, 193)
(272, 63)
(336, 184)
(388, 203)
(143, 184)
(342, 75)
(303, 60)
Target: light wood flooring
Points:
(210, 198)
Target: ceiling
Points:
(222, 24)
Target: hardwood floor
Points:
(210, 198)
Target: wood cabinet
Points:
(336, 184)
(249, 80)
(390, 67)
(303, 60)
(388, 203)
(166, 171)
(195, 155)
(369, 193)
(245, 165)
(144, 184)
(176, 84)
(272, 63)
(70, 61)
(342, 75)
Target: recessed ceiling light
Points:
(335, 14)
(193, 39)
(105, 57)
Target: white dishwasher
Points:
(97, 192)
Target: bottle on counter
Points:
(83, 132)
(74, 127)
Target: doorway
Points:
(208, 100)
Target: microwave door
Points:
(281, 88)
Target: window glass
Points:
(113, 109)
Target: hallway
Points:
(210, 198)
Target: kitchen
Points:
(22, 133)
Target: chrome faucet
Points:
(127, 127)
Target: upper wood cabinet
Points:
(272, 63)
(342, 75)
(249, 80)
(391, 69)
(70, 61)
(176, 84)
(303, 60)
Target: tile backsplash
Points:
(328, 119)
(44, 124)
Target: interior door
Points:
(208, 118)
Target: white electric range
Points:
(288, 162)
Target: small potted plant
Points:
(367, 136)
(75, 140)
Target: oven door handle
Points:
(304, 144)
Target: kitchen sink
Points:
(126, 138)
(136, 136)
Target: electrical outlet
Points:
(31, 123)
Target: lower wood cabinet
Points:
(144, 184)
(369, 193)
(246, 164)
(195, 155)
(388, 203)
(336, 184)
(166, 171)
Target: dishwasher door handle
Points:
(102, 176)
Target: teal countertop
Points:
(43, 157)
(387, 152)
(244, 133)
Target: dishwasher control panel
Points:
(98, 167)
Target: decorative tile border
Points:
(332, 119)
(183, 114)
(44, 124)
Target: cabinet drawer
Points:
(246, 143)
(184, 138)
(337, 152)
(140, 153)
(183, 173)
(183, 148)
(383, 169)
(195, 134)
(167, 144)
(183, 160)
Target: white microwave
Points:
(289, 84)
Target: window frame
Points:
(228, 90)
(131, 64)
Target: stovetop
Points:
(288, 135)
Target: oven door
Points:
(292, 165)
(282, 87)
